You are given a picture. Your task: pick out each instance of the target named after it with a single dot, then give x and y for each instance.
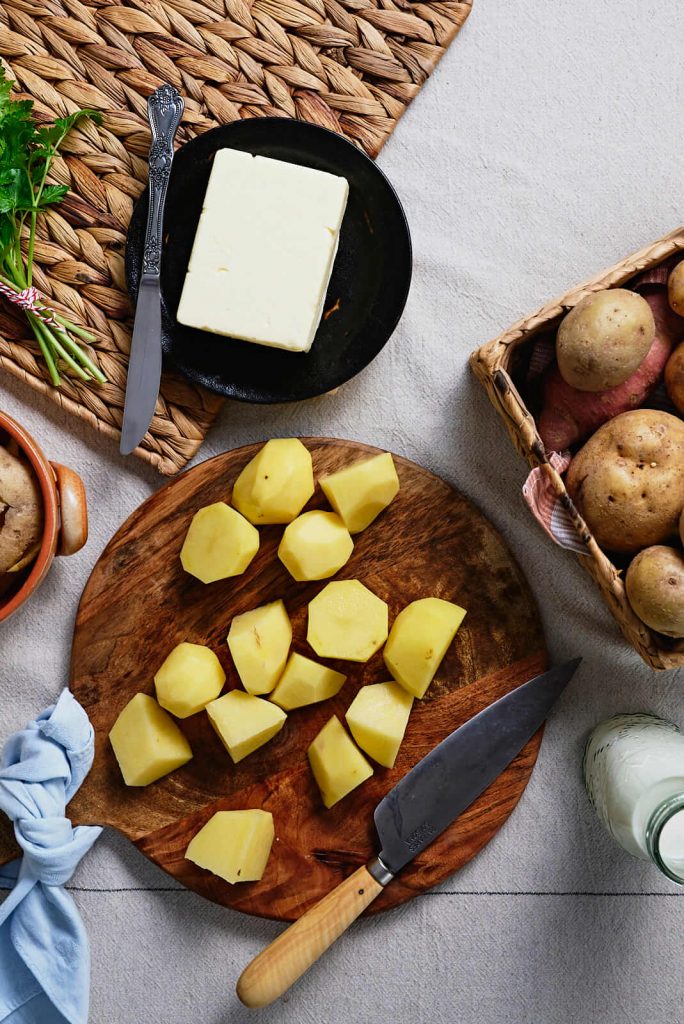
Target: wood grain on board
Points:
(139, 603)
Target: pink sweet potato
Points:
(569, 416)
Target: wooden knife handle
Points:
(272, 972)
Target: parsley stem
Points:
(31, 245)
(63, 341)
(45, 348)
(27, 150)
(42, 330)
(72, 328)
(80, 332)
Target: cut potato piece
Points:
(219, 543)
(361, 492)
(306, 682)
(377, 719)
(419, 639)
(315, 546)
(190, 677)
(235, 845)
(347, 621)
(337, 764)
(260, 642)
(147, 742)
(276, 484)
(244, 723)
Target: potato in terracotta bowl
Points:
(43, 513)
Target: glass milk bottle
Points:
(634, 774)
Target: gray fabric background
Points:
(547, 145)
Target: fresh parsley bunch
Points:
(26, 152)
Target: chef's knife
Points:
(164, 111)
(419, 808)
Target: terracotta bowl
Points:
(65, 528)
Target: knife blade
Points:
(144, 366)
(418, 809)
(452, 776)
(164, 111)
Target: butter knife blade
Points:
(144, 366)
(164, 110)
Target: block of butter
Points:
(264, 250)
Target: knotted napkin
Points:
(44, 955)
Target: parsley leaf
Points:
(26, 153)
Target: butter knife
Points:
(164, 111)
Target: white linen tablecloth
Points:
(547, 145)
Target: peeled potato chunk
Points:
(235, 845)
(244, 723)
(219, 543)
(315, 546)
(190, 677)
(306, 682)
(377, 719)
(361, 492)
(259, 641)
(347, 621)
(337, 764)
(147, 742)
(276, 484)
(418, 641)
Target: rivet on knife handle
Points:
(164, 110)
(425, 802)
(275, 969)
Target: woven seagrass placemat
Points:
(350, 65)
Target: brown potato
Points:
(21, 513)
(655, 588)
(681, 527)
(675, 289)
(674, 374)
(628, 480)
(603, 340)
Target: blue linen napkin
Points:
(44, 955)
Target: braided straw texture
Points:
(493, 365)
(349, 65)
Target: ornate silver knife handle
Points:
(164, 111)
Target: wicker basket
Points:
(494, 365)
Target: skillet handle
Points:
(275, 969)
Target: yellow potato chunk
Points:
(419, 639)
(147, 742)
(235, 845)
(219, 543)
(347, 621)
(337, 764)
(260, 642)
(315, 545)
(377, 719)
(360, 492)
(244, 723)
(306, 682)
(276, 484)
(190, 677)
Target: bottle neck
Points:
(665, 837)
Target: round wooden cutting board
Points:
(138, 604)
